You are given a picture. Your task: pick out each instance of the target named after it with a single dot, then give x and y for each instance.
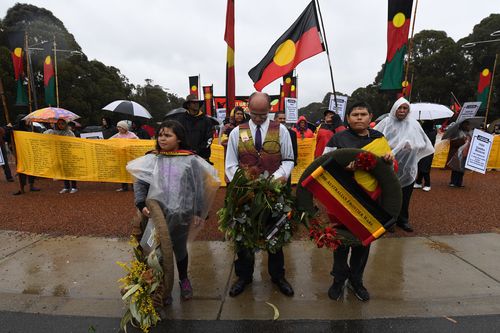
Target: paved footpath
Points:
(414, 277)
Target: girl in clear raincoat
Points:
(183, 183)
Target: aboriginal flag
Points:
(398, 27)
(16, 41)
(208, 96)
(193, 85)
(301, 41)
(337, 190)
(483, 87)
(285, 89)
(293, 87)
(230, 76)
(49, 82)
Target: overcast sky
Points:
(169, 40)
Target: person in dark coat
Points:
(108, 129)
(6, 168)
(139, 130)
(199, 127)
(333, 124)
(280, 117)
(423, 179)
(23, 179)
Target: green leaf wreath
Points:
(257, 212)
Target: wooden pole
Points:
(28, 70)
(410, 45)
(55, 71)
(489, 93)
(327, 53)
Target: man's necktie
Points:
(258, 139)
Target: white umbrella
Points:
(128, 107)
(429, 111)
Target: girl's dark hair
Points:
(179, 131)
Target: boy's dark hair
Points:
(178, 130)
(359, 105)
(277, 113)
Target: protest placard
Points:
(341, 105)
(479, 151)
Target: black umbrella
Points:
(128, 107)
(452, 130)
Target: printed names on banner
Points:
(60, 157)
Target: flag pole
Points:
(327, 51)
(28, 71)
(410, 45)
(55, 71)
(489, 93)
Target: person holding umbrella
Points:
(61, 128)
(123, 133)
(459, 148)
(199, 126)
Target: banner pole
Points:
(489, 93)
(327, 51)
(55, 71)
(410, 45)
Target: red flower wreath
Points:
(323, 236)
(365, 161)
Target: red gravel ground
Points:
(98, 210)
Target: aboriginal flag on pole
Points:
(208, 96)
(293, 87)
(483, 87)
(16, 41)
(285, 89)
(49, 82)
(229, 38)
(193, 85)
(300, 42)
(398, 27)
(336, 188)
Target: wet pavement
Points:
(437, 277)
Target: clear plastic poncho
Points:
(184, 185)
(407, 140)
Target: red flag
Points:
(208, 96)
(229, 38)
(300, 42)
(282, 99)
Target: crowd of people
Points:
(178, 172)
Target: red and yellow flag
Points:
(208, 96)
(483, 86)
(398, 26)
(300, 42)
(49, 83)
(229, 38)
(16, 41)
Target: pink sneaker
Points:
(186, 289)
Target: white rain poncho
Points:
(184, 185)
(407, 140)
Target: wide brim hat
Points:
(191, 98)
(326, 110)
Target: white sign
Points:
(291, 110)
(92, 135)
(469, 110)
(2, 162)
(341, 105)
(479, 151)
(221, 114)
